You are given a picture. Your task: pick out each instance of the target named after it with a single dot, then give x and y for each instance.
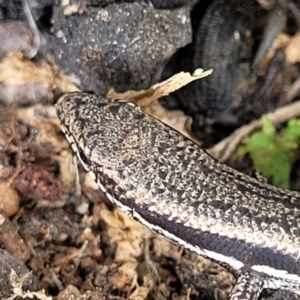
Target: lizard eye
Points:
(86, 160)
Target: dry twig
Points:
(224, 149)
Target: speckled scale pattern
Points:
(152, 171)
(241, 289)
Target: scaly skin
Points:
(175, 188)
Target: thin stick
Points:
(224, 149)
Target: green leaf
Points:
(270, 151)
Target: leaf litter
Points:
(66, 234)
(63, 239)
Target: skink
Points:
(175, 188)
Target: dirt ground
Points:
(60, 238)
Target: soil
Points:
(60, 238)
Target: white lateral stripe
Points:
(274, 274)
(92, 174)
(282, 274)
(234, 263)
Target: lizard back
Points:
(174, 187)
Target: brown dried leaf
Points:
(292, 50)
(280, 42)
(289, 44)
(174, 118)
(24, 81)
(144, 97)
(125, 233)
(11, 241)
(140, 293)
(163, 247)
(9, 199)
(125, 275)
(35, 183)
